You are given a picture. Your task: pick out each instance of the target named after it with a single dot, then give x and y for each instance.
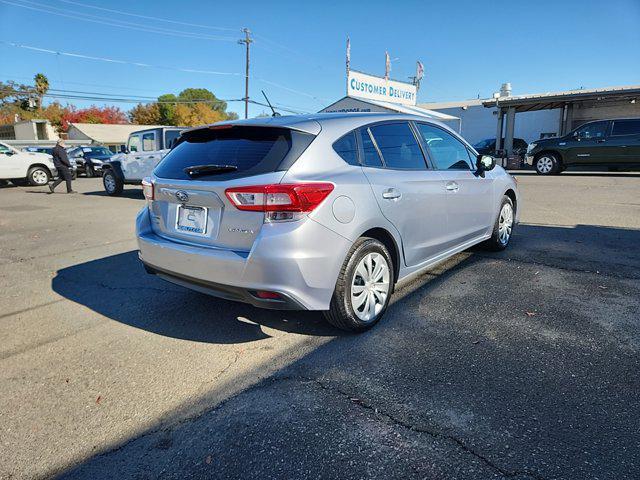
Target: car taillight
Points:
(280, 201)
(147, 188)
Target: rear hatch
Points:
(190, 204)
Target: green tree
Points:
(148, 114)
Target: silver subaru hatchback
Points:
(319, 212)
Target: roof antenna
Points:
(275, 114)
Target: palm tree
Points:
(42, 86)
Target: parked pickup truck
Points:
(33, 168)
(145, 149)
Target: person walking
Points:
(61, 162)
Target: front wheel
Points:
(113, 185)
(38, 176)
(364, 287)
(547, 164)
(503, 228)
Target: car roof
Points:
(313, 123)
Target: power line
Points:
(113, 23)
(146, 65)
(113, 60)
(117, 98)
(120, 12)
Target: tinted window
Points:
(448, 153)
(148, 141)
(4, 148)
(592, 130)
(252, 150)
(370, 155)
(170, 137)
(347, 148)
(626, 127)
(488, 143)
(398, 146)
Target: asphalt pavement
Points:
(522, 364)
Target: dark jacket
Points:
(60, 158)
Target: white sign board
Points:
(375, 88)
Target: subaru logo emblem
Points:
(182, 196)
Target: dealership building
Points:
(540, 115)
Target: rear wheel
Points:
(547, 164)
(113, 185)
(364, 287)
(38, 176)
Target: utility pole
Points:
(247, 40)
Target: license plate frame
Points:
(193, 226)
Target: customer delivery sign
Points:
(376, 88)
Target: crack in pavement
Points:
(265, 383)
(431, 432)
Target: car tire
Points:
(113, 185)
(38, 176)
(547, 164)
(351, 305)
(503, 227)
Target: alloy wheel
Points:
(505, 224)
(370, 286)
(109, 182)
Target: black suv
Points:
(604, 143)
(89, 159)
(488, 147)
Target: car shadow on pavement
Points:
(119, 288)
(132, 193)
(493, 365)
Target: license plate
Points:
(191, 219)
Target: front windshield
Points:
(102, 151)
(484, 143)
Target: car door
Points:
(624, 141)
(409, 193)
(143, 156)
(469, 197)
(12, 164)
(588, 144)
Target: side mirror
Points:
(484, 163)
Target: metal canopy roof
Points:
(542, 101)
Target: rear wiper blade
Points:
(198, 170)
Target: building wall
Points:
(479, 122)
(587, 111)
(74, 134)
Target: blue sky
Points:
(468, 47)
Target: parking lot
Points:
(522, 364)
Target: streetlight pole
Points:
(247, 40)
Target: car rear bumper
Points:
(298, 260)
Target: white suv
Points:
(25, 167)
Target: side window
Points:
(347, 148)
(134, 143)
(4, 149)
(398, 146)
(447, 152)
(592, 130)
(626, 127)
(149, 141)
(370, 157)
(170, 138)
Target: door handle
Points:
(137, 158)
(452, 186)
(601, 140)
(391, 194)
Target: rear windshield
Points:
(252, 150)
